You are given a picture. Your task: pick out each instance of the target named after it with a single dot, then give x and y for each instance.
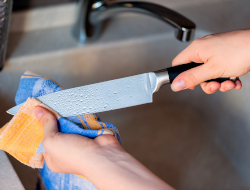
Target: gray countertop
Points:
(8, 177)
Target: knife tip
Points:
(10, 112)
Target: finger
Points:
(210, 87)
(238, 84)
(47, 120)
(46, 157)
(50, 163)
(227, 86)
(190, 54)
(107, 140)
(193, 77)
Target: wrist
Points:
(99, 159)
(111, 168)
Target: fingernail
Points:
(237, 83)
(214, 89)
(178, 85)
(38, 112)
(228, 88)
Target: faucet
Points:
(92, 13)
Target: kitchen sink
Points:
(189, 139)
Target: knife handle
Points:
(173, 72)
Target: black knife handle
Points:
(173, 72)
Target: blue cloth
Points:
(33, 85)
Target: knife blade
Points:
(114, 94)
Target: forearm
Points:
(120, 171)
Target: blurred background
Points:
(28, 4)
(191, 140)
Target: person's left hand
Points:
(101, 160)
(64, 152)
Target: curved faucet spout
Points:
(184, 27)
(92, 13)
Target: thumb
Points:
(193, 77)
(47, 120)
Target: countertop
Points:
(8, 177)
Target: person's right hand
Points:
(223, 55)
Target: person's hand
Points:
(101, 160)
(223, 55)
(64, 152)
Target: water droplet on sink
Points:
(115, 92)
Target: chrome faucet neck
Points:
(92, 13)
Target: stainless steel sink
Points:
(189, 139)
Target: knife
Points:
(114, 94)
